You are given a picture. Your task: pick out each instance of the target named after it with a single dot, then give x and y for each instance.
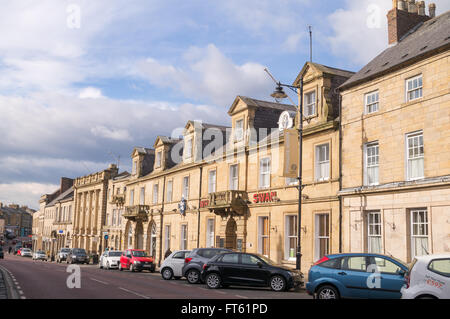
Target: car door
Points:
(387, 278)
(254, 271)
(177, 263)
(229, 268)
(353, 276)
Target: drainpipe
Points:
(161, 221)
(198, 210)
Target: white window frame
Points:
(239, 130)
(169, 191)
(419, 87)
(413, 233)
(262, 236)
(372, 158)
(185, 191)
(183, 237)
(155, 193)
(371, 226)
(374, 105)
(318, 237)
(416, 155)
(264, 163)
(234, 179)
(309, 104)
(212, 179)
(188, 149)
(319, 163)
(210, 232)
(287, 237)
(167, 237)
(158, 159)
(135, 164)
(131, 197)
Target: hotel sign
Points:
(265, 197)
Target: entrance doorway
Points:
(230, 234)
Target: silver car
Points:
(110, 259)
(26, 252)
(39, 255)
(173, 264)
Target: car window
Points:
(355, 263)
(332, 263)
(115, 253)
(440, 266)
(250, 260)
(179, 255)
(386, 266)
(230, 258)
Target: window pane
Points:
(356, 263)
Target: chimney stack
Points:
(432, 10)
(66, 183)
(404, 16)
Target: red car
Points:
(136, 260)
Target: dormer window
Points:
(188, 149)
(239, 130)
(134, 168)
(158, 159)
(310, 104)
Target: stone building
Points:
(90, 194)
(396, 141)
(17, 220)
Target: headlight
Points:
(137, 262)
(74, 256)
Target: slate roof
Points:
(426, 39)
(265, 104)
(68, 194)
(325, 69)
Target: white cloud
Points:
(26, 194)
(292, 42)
(208, 73)
(114, 134)
(360, 30)
(90, 93)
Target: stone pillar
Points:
(89, 213)
(241, 232)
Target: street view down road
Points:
(48, 280)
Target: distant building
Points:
(16, 219)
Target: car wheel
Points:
(107, 266)
(167, 273)
(277, 283)
(120, 267)
(100, 265)
(327, 292)
(193, 276)
(131, 268)
(213, 281)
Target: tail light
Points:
(407, 279)
(187, 260)
(321, 260)
(204, 266)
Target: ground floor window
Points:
(183, 237)
(419, 232)
(374, 232)
(322, 235)
(290, 237)
(263, 236)
(167, 237)
(210, 233)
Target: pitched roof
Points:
(323, 69)
(68, 194)
(272, 105)
(426, 39)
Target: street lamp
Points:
(280, 94)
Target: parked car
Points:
(39, 255)
(110, 259)
(26, 252)
(428, 278)
(244, 269)
(17, 250)
(136, 260)
(173, 264)
(193, 263)
(1, 253)
(77, 255)
(356, 276)
(61, 255)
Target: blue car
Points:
(356, 276)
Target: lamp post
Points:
(280, 94)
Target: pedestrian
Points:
(167, 254)
(9, 250)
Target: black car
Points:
(77, 255)
(194, 262)
(244, 269)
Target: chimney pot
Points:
(432, 10)
(402, 5)
(421, 9)
(412, 8)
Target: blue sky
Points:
(81, 80)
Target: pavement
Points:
(49, 280)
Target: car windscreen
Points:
(115, 253)
(65, 250)
(266, 260)
(79, 251)
(139, 253)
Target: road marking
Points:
(102, 282)
(134, 293)
(23, 297)
(220, 292)
(239, 296)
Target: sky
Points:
(83, 82)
